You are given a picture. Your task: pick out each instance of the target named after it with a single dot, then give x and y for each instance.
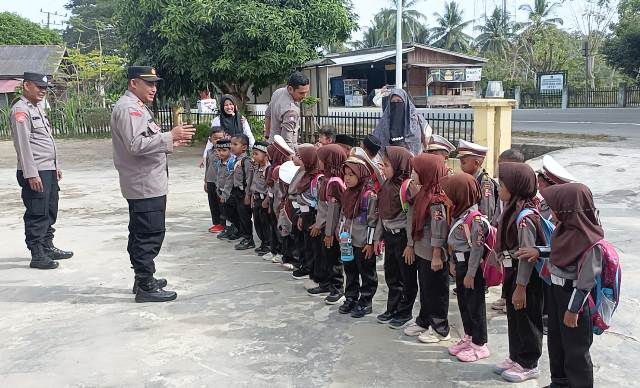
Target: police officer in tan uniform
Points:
(140, 151)
(38, 171)
(282, 116)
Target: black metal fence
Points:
(579, 98)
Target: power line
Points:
(49, 15)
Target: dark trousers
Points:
(524, 326)
(275, 240)
(569, 358)
(310, 247)
(41, 209)
(214, 202)
(472, 304)
(332, 266)
(146, 233)
(401, 278)
(434, 297)
(261, 221)
(242, 214)
(361, 268)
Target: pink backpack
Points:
(491, 268)
(604, 298)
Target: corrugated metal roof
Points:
(347, 60)
(8, 85)
(15, 60)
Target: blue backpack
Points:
(547, 228)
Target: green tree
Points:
(232, 44)
(449, 33)
(622, 50)
(16, 30)
(497, 33)
(91, 26)
(413, 22)
(541, 14)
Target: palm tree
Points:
(541, 14)
(496, 34)
(449, 34)
(412, 22)
(372, 36)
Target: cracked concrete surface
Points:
(240, 321)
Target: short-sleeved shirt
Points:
(32, 138)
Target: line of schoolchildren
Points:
(326, 211)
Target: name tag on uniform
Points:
(270, 195)
(295, 205)
(304, 209)
(460, 257)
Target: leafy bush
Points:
(202, 132)
(257, 127)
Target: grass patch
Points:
(557, 135)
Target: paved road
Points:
(611, 122)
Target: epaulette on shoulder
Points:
(477, 218)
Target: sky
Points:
(365, 9)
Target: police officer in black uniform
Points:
(140, 152)
(38, 171)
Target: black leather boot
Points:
(162, 283)
(148, 291)
(40, 260)
(57, 254)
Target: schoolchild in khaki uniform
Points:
(427, 232)
(522, 285)
(471, 157)
(211, 179)
(258, 193)
(463, 190)
(359, 220)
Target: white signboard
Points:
(551, 83)
(474, 74)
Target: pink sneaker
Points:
(474, 353)
(518, 374)
(460, 346)
(503, 366)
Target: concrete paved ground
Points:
(239, 321)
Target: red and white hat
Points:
(554, 172)
(467, 148)
(282, 145)
(439, 143)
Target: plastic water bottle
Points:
(346, 249)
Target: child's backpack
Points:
(313, 188)
(491, 268)
(604, 298)
(542, 264)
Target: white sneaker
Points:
(518, 374)
(309, 284)
(277, 259)
(268, 257)
(288, 266)
(431, 337)
(414, 330)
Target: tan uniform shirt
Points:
(139, 149)
(436, 232)
(32, 138)
(285, 117)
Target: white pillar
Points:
(399, 45)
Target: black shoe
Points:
(162, 283)
(57, 254)
(300, 274)
(223, 235)
(318, 291)
(233, 237)
(348, 306)
(455, 291)
(244, 245)
(262, 250)
(40, 260)
(399, 323)
(148, 291)
(385, 317)
(334, 296)
(360, 311)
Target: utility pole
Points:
(399, 44)
(49, 14)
